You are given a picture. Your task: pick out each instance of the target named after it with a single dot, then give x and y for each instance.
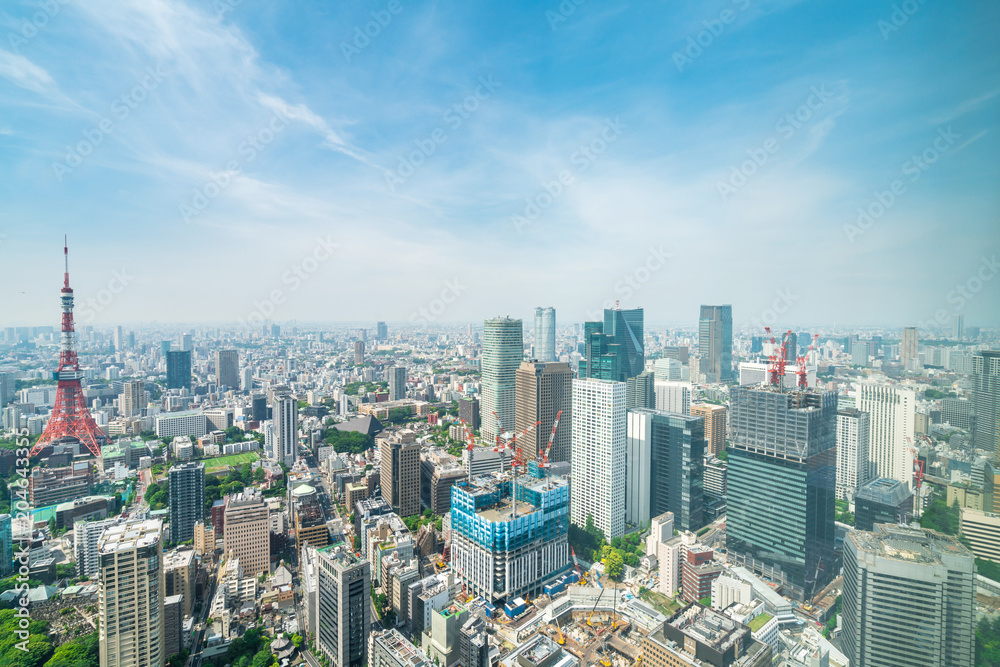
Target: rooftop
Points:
(708, 627)
(909, 545)
(130, 535)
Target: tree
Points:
(614, 566)
(399, 415)
(83, 651)
(259, 475)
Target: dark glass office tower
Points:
(614, 348)
(715, 343)
(781, 485)
(677, 468)
(179, 369)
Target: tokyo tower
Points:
(70, 416)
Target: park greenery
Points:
(843, 513)
(83, 651)
(417, 520)
(933, 394)
(351, 442)
(938, 516)
(590, 545)
(988, 642)
(12, 653)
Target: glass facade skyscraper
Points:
(503, 350)
(781, 479)
(613, 349)
(715, 343)
(545, 334)
(179, 369)
(986, 395)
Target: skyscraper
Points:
(227, 368)
(666, 460)
(400, 472)
(285, 425)
(598, 455)
(132, 399)
(781, 478)
(986, 395)
(853, 468)
(614, 349)
(673, 397)
(909, 348)
(179, 369)
(715, 425)
(343, 603)
(246, 532)
(130, 595)
(542, 390)
(381, 331)
(395, 376)
(359, 352)
(715, 343)
(639, 392)
(119, 339)
(890, 429)
(187, 343)
(957, 327)
(186, 494)
(545, 334)
(908, 599)
(503, 350)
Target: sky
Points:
(810, 163)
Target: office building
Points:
(343, 606)
(285, 427)
(781, 479)
(614, 349)
(545, 334)
(180, 575)
(507, 541)
(359, 352)
(909, 349)
(6, 388)
(957, 327)
(227, 369)
(439, 471)
(258, 407)
(246, 532)
(661, 543)
(474, 648)
(667, 369)
(86, 536)
(179, 369)
(698, 569)
(715, 343)
(173, 624)
(381, 331)
(187, 422)
(395, 377)
(982, 530)
(400, 472)
(392, 649)
(908, 599)
(542, 390)
(130, 594)
(882, 501)
(132, 400)
(673, 397)
(665, 462)
(468, 412)
(503, 350)
(639, 391)
(986, 395)
(51, 486)
(598, 455)
(697, 635)
(890, 429)
(958, 412)
(186, 494)
(853, 468)
(715, 425)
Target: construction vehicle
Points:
(596, 602)
(579, 570)
(562, 638)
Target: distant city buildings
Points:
(227, 368)
(909, 349)
(395, 377)
(179, 369)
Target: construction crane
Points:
(562, 639)
(543, 459)
(776, 362)
(802, 373)
(596, 602)
(579, 570)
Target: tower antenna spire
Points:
(66, 260)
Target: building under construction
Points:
(510, 535)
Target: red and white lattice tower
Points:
(70, 416)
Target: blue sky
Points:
(470, 159)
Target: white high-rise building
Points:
(662, 543)
(890, 429)
(86, 535)
(503, 351)
(545, 334)
(639, 434)
(667, 369)
(132, 399)
(285, 427)
(853, 467)
(130, 595)
(673, 396)
(598, 455)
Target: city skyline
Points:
(182, 87)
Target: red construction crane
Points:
(543, 459)
(802, 373)
(468, 435)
